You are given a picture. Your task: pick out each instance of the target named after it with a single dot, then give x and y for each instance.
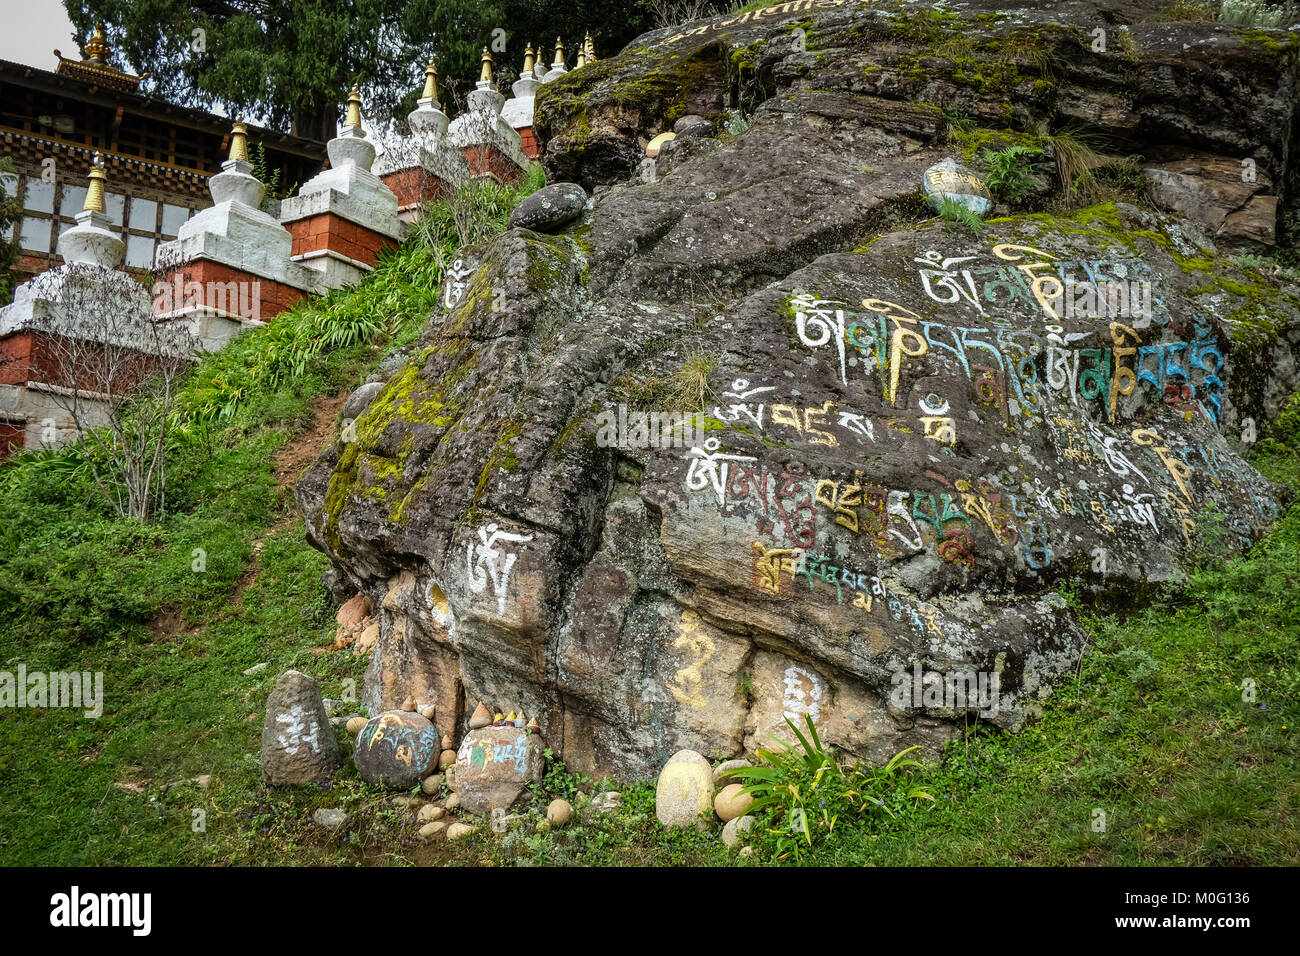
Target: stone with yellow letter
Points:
(685, 790)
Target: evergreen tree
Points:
(11, 212)
(289, 63)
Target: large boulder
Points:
(684, 790)
(298, 744)
(912, 438)
(495, 765)
(397, 750)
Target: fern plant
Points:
(1010, 171)
(956, 213)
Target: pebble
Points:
(607, 802)
(558, 812)
(731, 802)
(452, 802)
(746, 851)
(408, 705)
(257, 667)
(428, 711)
(448, 759)
(407, 801)
(356, 724)
(721, 781)
(734, 828)
(431, 830)
(331, 818)
(429, 813)
(432, 783)
(458, 830)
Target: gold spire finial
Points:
(582, 58)
(97, 49)
(353, 117)
(530, 59)
(559, 53)
(486, 75)
(591, 49)
(430, 81)
(95, 194)
(239, 141)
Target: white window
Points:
(139, 252)
(144, 214)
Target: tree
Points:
(114, 370)
(289, 63)
(11, 212)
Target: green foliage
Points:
(955, 213)
(1010, 171)
(290, 63)
(803, 793)
(11, 212)
(1257, 14)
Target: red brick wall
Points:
(328, 231)
(13, 436)
(273, 297)
(530, 141)
(15, 358)
(412, 186)
(490, 161)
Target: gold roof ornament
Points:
(559, 53)
(94, 67)
(95, 194)
(582, 58)
(485, 76)
(590, 46)
(239, 141)
(430, 81)
(97, 49)
(353, 116)
(530, 59)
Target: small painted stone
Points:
(533, 727)
(427, 711)
(480, 718)
(408, 705)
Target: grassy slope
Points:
(1154, 731)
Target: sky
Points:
(33, 36)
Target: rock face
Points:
(298, 744)
(396, 750)
(912, 437)
(493, 767)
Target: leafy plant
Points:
(955, 213)
(1010, 171)
(804, 792)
